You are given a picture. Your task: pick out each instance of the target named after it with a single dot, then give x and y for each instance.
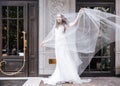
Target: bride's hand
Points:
(81, 11)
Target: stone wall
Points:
(117, 57)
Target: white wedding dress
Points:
(66, 67)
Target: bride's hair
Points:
(64, 22)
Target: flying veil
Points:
(85, 38)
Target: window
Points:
(12, 27)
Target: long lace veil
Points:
(85, 38)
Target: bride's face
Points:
(59, 18)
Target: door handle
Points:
(24, 38)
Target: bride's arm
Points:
(48, 38)
(75, 23)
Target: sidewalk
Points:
(96, 81)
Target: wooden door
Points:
(16, 17)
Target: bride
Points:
(66, 67)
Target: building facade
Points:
(36, 18)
